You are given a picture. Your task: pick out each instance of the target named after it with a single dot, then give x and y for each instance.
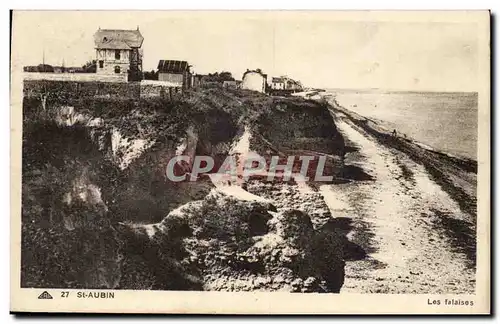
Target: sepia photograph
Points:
(334, 159)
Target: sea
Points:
(444, 121)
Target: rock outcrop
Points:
(95, 196)
(229, 244)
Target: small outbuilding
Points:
(177, 72)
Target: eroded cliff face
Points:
(99, 211)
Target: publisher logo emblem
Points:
(45, 295)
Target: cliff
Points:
(99, 211)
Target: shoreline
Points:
(388, 91)
(461, 160)
(406, 234)
(456, 176)
(446, 125)
(410, 214)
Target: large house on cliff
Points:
(118, 52)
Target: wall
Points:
(77, 77)
(254, 81)
(73, 89)
(178, 79)
(162, 89)
(109, 69)
(76, 89)
(292, 85)
(278, 85)
(108, 56)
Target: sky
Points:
(319, 50)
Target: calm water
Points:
(444, 121)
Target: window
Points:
(101, 64)
(105, 39)
(117, 69)
(117, 54)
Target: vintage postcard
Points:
(250, 162)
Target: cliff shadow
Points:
(360, 246)
(461, 234)
(355, 173)
(350, 148)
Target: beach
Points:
(408, 211)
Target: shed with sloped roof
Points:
(174, 71)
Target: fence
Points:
(164, 89)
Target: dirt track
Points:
(408, 233)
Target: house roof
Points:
(255, 71)
(291, 81)
(118, 38)
(278, 80)
(171, 66)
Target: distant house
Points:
(231, 84)
(254, 80)
(75, 69)
(285, 83)
(277, 83)
(292, 85)
(177, 72)
(118, 52)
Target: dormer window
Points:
(105, 39)
(117, 54)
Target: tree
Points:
(220, 77)
(45, 68)
(30, 68)
(226, 76)
(90, 67)
(153, 75)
